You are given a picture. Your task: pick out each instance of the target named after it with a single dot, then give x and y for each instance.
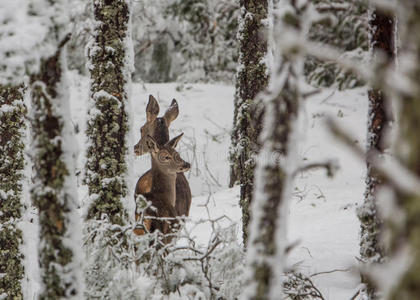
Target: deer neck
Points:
(163, 184)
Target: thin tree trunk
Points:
(54, 187)
(382, 35)
(252, 79)
(12, 131)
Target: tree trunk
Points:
(252, 79)
(382, 34)
(107, 131)
(12, 132)
(267, 240)
(108, 121)
(54, 188)
(406, 231)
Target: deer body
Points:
(182, 191)
(157, 128)
(166, 163)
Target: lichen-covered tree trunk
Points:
(107, 149)
(406, 231)
(382, 44)
(252, 78)
(12, 132)
(275, 165)
(108, 121)
(54, 186)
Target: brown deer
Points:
(157, 127)
(166, 163)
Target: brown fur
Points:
(158, 186)
(158, 129)
(183, 192)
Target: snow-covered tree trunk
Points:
(54, 187)
(252, 78)
(405, 229)
(107, 150)
(275, 163)
(108, 121)
(382, 45)
(12, 132)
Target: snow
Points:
(73, 237)
(31, 283)
(322, 217)
(323, 226)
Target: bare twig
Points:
(328, 97)
(217, 243)
(330, 271)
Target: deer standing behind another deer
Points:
(158, 128)
(155, 133)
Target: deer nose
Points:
(186, 166)
(137, 149)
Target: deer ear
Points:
(172, 112)
(172, 143)
(152, 144)
(152, 109)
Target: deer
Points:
(166, 163)
(158, 129)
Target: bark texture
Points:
(107, 124)
(252, 78)
(382, 34)
(12, 128)
(51, 192)
(107, 149)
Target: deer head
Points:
(166, 158)
(156, 127)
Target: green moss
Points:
(49, 193)
(251, 80)
(106, 132)
(12, 126)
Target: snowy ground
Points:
(322, 218)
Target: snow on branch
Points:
(395, 173)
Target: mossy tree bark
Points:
(108, 120)
(107, 149)
(382, 44)
(252, 78)
(406, 231)
(12, 132)
(53, 190)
